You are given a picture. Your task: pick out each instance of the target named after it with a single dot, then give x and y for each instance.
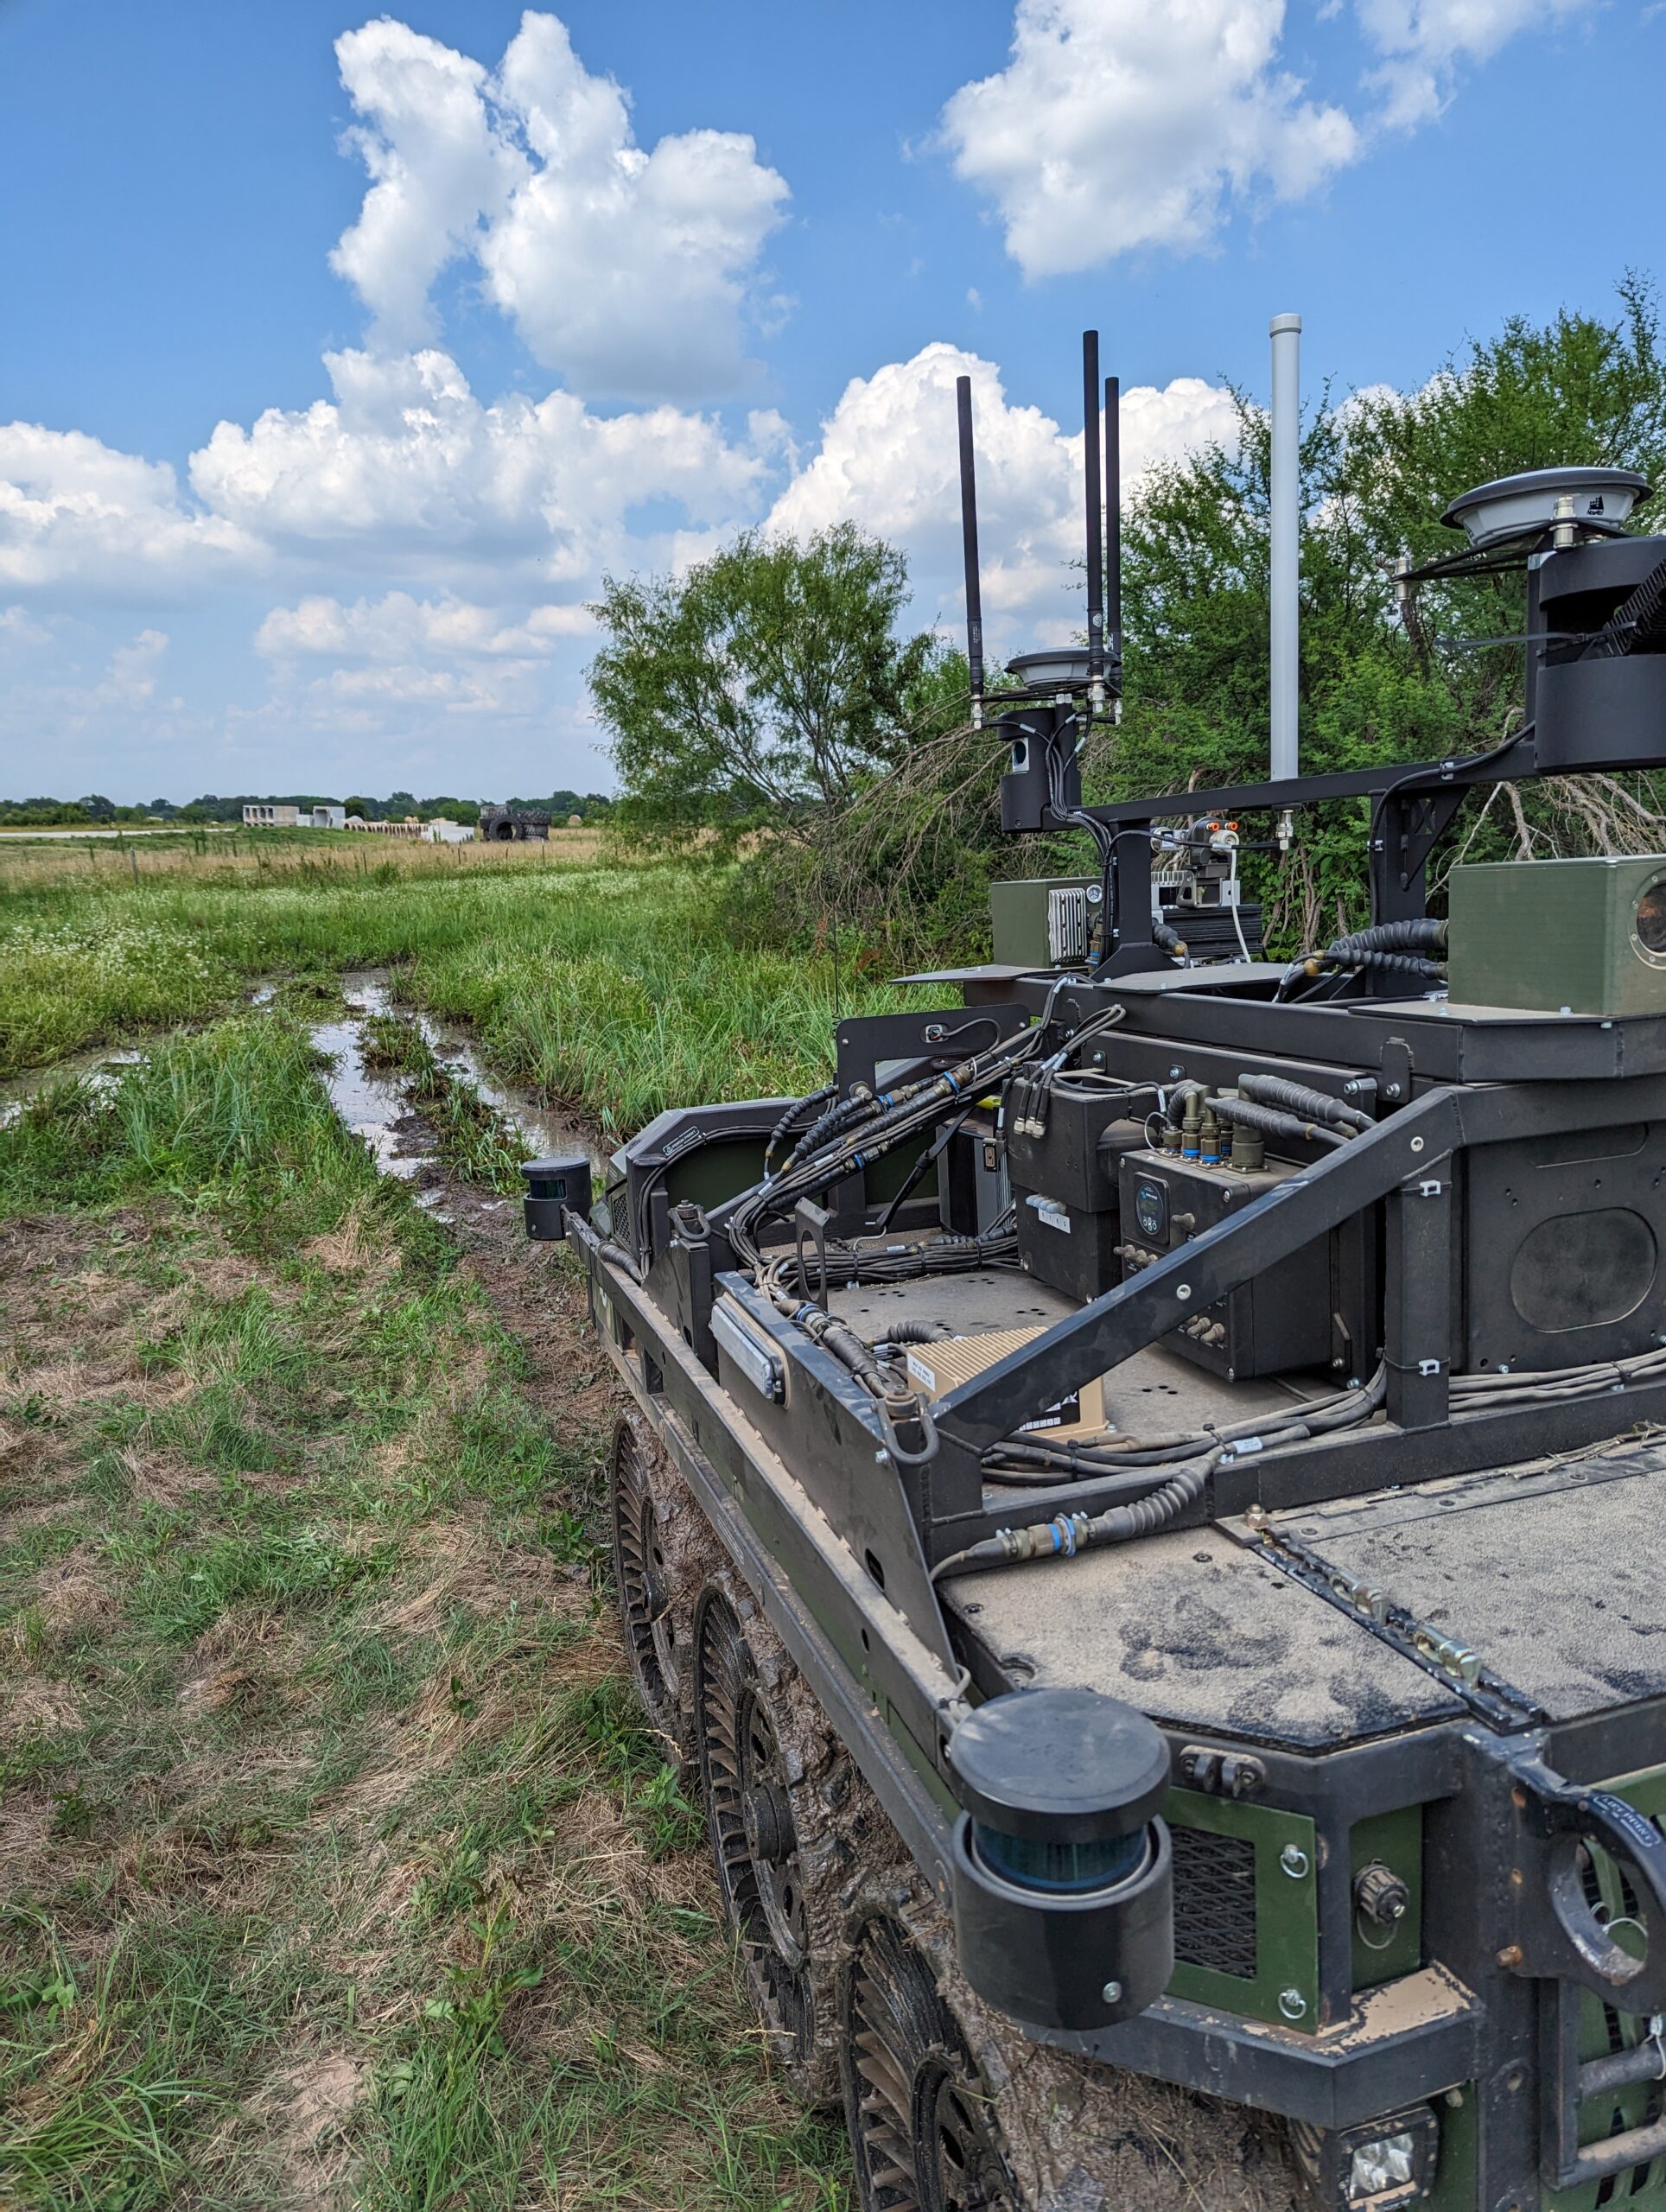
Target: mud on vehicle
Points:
(1141, 1512)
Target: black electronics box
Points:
(1315, 1309)
(1065, 1183)
(972, 1190)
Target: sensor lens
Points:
(1650, 921)
(1386, 2163)
(1033, 1864)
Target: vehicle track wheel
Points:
(922, 2127)
(655, 1638)
(750, 1788)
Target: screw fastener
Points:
(1112, 1993)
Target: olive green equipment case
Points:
(1569, 937)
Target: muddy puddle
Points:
(99, 1064)
(371, 1102)
(368, 1100)
(100, 1068)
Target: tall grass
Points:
(234, 1120)
(614, 987)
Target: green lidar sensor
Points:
(1561, 937)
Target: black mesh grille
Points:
(1215, 1902)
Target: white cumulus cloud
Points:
(1118, 124)
(628, 270)
(1425, 43)
(405, 468)
(398, 626)
(436, 551)
(74, 510)
(437, 165)
(890, 460)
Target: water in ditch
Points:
(99, 1067)
(371, 1102)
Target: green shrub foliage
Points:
(765, 702)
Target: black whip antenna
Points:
(1095, 521)
(968, 534)
(1114, 529)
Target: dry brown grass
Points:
(263, 854)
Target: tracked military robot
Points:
(1143, 1507)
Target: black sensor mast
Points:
(1114, 531)
(969, 535)
(1095, 521)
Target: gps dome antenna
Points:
(969, 535)
(1095, 521)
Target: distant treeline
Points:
(95, 809)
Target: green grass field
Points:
(609, 988)
(339, 1871)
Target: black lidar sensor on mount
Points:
(1063, 1881)
(556, 1187)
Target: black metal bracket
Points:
(1417, 801)
(1408, 830)
(1183, 1282)
(1559, 1937)
(810, 1222)
(1128, 947)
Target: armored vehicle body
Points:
(1141, 1512)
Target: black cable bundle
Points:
(1413, 948)
(869, 1126)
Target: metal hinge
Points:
(1448, 1657)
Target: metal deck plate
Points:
(1557, 1581)
(1551, 1571)
(1199, 1634)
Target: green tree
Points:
(763, 689)
(1377, 472)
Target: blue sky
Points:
(342, 354)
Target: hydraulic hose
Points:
(1398, 963)
(1298, 1099)
(1271, 1122)
(846, 1346)
(861, 1104)
(1168, 1496)
(917, 1332)
(1410, 947)
(1177, 1098)
(817, 1098)
(1069, 1533)
(1422, 933)
(617, 1257)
